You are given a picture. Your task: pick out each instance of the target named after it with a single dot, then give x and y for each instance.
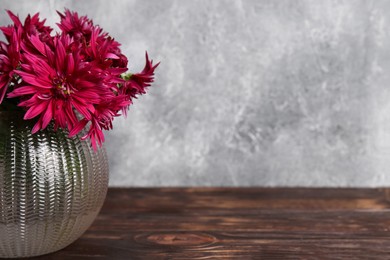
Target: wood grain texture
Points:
(237, 223)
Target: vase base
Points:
(32, 239)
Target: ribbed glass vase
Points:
(51, 188)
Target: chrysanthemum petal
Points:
(14, 18)
(60, 55)
(81, 109)
(35, 110)
(79, 126)
(69, 63)
(48, 115)
(38, 44)
(33, 80)
(37, 127)
(22, 91)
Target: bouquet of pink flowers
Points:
(75, 79)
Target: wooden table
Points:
(237, 223)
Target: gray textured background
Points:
(269, 93)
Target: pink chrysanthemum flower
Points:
(79, 27)
(17, 35)
(104, 51)
(100, 53)
(140, 81)
(101, 119)
(9, 60)
(136, 84)
(32, 26)
(58, 83)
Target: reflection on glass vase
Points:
(51, 187)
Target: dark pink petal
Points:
(14, 18)
(38, 44)
(87, 95)
(33, 80)
(71, 118)
(7, 30)
(26, 67)
(3, 90)
(35, 110)
(93, 42)
(60, 55)
(59, 114)
(50, 55)
(79, 126)
(111, 56)
(44, 71)
(4, 59)
(82, 109)
(117, 71)
(30, 102)
(4, 80)
(85, 84)
(69, 63)
(47, 116)
(37, 127)
(22, 91)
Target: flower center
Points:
(62, 86)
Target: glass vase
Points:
(51, 187)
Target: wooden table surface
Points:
(237, 223)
